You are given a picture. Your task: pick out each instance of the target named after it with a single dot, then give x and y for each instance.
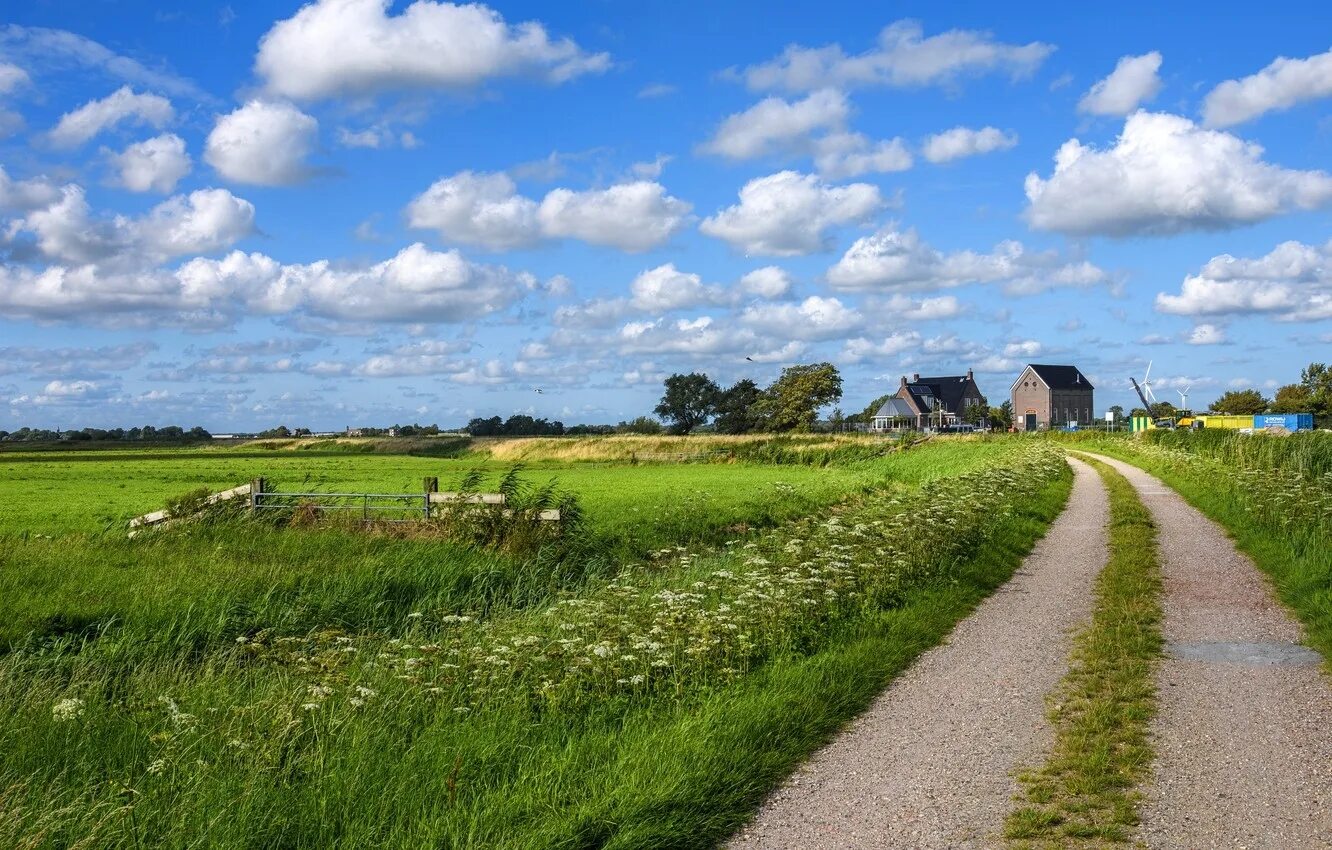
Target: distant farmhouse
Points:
(929, 402)
(1051, 397)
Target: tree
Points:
(735, 408)
(1292, 398)
(793, 401)
(1002, 416)
(1240, 403)
(689, 401)
(640, 425)
(1317, 381)
(1118, 411)
(866, 416)
(975, 414)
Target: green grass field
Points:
(238, 684)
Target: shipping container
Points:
(1232, 423)
(1289, 421)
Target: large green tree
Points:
(689, 401)
(1292, 398)
(1002, 416)
(736, 413)
(1317, 382)
(1240, 403)
(793, 401)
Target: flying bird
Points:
(539, 390)
(750, 359)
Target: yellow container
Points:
(1231, 422)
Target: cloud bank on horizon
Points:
(365, 211)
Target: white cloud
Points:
(1026, 348)
(65, 231)
(815, 318)
(485, 209)
(375, 138)
(11, 77)
(814, 126)
(775, 124)
(53, 48)
(657, 90)
(77, 127)
(896, 260)
(477, 209)
(841, 155)
(155, 164)
(262, 142)
(767, 282)
(1280, 85)
(1292, 283)
(1166, 175)
(963, 141)
(1133, 83)
(1206, 335)
(924, 310)
(892, 345)
(903, 58)
(416, 285)
(333, 48)
(667, 288)
(26, 194)
(789, 213)
(633, 216)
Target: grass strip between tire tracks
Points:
(1085, 793)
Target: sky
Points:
(365, 212)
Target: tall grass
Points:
(356, 701)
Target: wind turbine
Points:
(1147, 386)
(1184, 397)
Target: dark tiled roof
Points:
(1062, 377)
(948, 389)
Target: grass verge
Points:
(1084, 795)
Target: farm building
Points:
(1046, 396)
(929, 402)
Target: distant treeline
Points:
(170, 433)
(526, 426)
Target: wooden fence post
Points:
(256, 492)
(430, 484)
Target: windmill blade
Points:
(1147, 376)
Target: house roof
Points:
(895, 408)
(1061, 377)
(948, 389)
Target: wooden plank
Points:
(149, 519)
(157, 517)
(470, 498)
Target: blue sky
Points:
(361, 212)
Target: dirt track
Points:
(1244, 734)
(930, 763)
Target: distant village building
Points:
(1045, 396)
(929, 402)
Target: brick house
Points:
(930, 402)
(1045, 396)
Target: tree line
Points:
(790, 403)
(1312, 394)
(167, 434)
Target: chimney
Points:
(903, 382)
(969, 375)
(915, 378)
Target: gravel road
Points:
(1244, 733)
(929, 765)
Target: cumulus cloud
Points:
(262, 142)
(153, 165)
(813, 126)
(1281, 85)
(26, 194)
(65, 231)
(333, 48)
(1292, 283)
(486, 210)
(1206, 334)
(924, 310)
(77, 127)
(815, 318)
(767, 282)
(667, 288)
(961, 142)
(1166, 175)
(903, 57)
(774, 123)
(416, 285)
(898, 260)
(863, 348)
(1133, 83)
(788, 213)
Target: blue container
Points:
(1289, 421)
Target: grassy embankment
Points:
(335, 696)
(1272, 494)
(1084, 795)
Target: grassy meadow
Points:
(243, 684)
